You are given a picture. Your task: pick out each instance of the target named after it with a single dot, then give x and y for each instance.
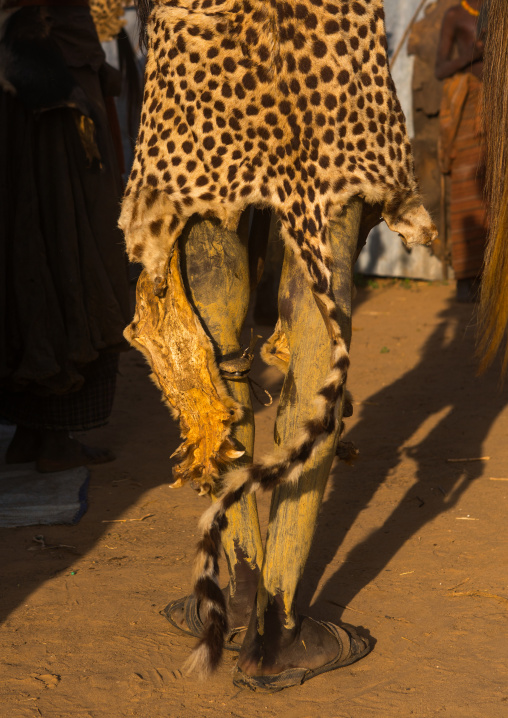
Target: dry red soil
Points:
(410, 545)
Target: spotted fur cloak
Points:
(284, 104)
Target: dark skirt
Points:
(86, 408)
(63, 286)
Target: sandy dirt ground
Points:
(411, 545)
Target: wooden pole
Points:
(406, 33)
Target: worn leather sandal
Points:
(351, 647)
(194, 622)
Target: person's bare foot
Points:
(24, 446)
(59, 451)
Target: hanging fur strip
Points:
(288, 105)
(181, 357)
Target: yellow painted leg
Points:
(214, 265)
(294, 509)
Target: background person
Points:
(64, 300)
(460, 63)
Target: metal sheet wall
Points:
(384, 253)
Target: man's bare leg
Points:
(277, 638)
(216, 272)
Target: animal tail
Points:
(493, 309)
(285, 464)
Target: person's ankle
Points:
(275, 623)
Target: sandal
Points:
(351, 648)
(194, 622)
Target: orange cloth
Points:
(461, 154)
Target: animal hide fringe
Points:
(288, 105)
(169, 334)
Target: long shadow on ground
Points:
(389, 418)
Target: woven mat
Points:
(28, 498)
